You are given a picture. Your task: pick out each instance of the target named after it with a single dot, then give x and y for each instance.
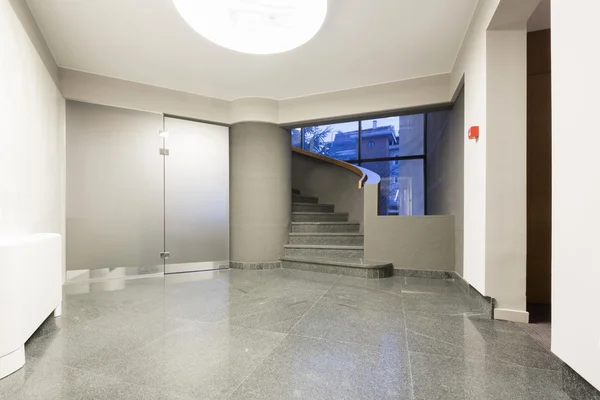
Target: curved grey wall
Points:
(260, 193)
(331, 183)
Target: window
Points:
(393, 147)
(296, 138)
(402, 186)
(338, 141)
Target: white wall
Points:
(506, 172)
(492, 66)
(575, 186)
(470, 65)
(21, 9)
(32, 155)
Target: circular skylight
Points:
(255, 26)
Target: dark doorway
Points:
(539, 179)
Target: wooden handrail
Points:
(339, 163)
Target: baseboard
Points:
(486, 302)
(577, 387)
(511, 315)
(254, 265)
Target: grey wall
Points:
(260, 191)
(331, 183)
(445, 169)
(413, 242)
(115, 187)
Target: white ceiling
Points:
(540, 19)
(363, 42)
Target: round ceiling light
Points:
(255, 26)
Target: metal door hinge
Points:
(165, 256)
(163, 152)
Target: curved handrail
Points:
(352, 168)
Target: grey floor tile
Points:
(392, 284)
(203, 335)
(476, 339)
(363, 298)
(203, 360)
(106, 337)
(304, 368)
(13, 383)
(445, 378)
(186, 304)
(440, 303)
(430, 285)
(301, 280)
(247, 281)
(50, 381)
(279, 288)
(199, 283)
(277, 314)
(349, 323)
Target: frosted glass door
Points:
(114, 189)
(196, 196)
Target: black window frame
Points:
(360, 119)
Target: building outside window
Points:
(393, 147)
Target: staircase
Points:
(323, 240)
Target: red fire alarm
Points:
(473, 132)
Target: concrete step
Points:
(324, 251)
(312, 207)
(319, 217)
(328, 227)
(298, 198)
(349, 267)
(295, 191)
(343, 239)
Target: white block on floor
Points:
(30, 290)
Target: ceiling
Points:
(362, 43)
(540, 19)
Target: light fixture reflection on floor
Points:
(255, 26)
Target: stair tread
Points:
(323, 246)
(326, 234)
(341, 262)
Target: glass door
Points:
(196, 196)
(114, 191)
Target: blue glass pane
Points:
(402, 187)
(392, 137)
(296, 138)
(338, 141)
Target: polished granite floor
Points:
(278, 335)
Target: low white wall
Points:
(414, 242)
